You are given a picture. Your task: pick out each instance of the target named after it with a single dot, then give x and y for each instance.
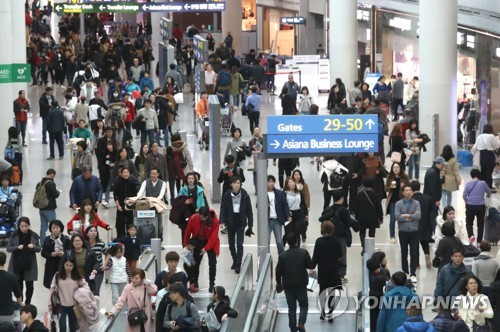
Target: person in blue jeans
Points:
(396, 180)
(279, 213)
(236, 213)
(48, 213)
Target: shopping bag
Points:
(179, 98)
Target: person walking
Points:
(10, 287)
(85, 186)
(56, 124)
(474, 194)
(203, 227)
(47, 212)
(407, 213)
(67, 280)
(413, 142)
(433, 184)
(157, 188)
(451, 173)
(486, 144)
(137, 295)
(394, 184)
(252, 105)
(27, 316)
(427, 221)
(398, 91)
(326, 255)
(397, 146)
(236, 213)
(180, 311)
(298, 208)
(279, 213)
(124, 186)
(150, 120)
(292, 277)
(24, 244)
(53, 249)
(21, 109)
(368, 211)
(157, 160)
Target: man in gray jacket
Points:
(407, 215)
(398, 91)
(150, 119)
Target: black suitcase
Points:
(492, 225)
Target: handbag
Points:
(179, 98)
(211, 321)
(436, 261)
(396, 157)
(55, 300)
(415, 150)
(138, 316)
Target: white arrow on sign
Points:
(276, 144)
(58, 8)
(186, 6)
(102, 7)
(370, 123)
(145, 7)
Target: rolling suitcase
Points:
(492, 225)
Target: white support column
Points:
(343, 41)
(156, 38)
(438, 72)
(6, 90)
(231, 21)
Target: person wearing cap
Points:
(433, 184)
(203, 227)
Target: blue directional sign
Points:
(300, 20)
(321, 134)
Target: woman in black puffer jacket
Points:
(220, 306)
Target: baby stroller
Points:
(205, 133)
(226, 120)
(10, 210)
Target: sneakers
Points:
(414, 279)
(393, 240)
(105, 204)
(472, 240)
(428, 262)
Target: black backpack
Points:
(335, 180)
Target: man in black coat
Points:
(45, 103)
(427, 222)
(55, 126)
(292, 277)
(236, 213)
(354, 163)
(124, 186)
(433, 184)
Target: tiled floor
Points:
(35, 165)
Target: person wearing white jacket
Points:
(449, 215)
(473, 307)
(328, 167)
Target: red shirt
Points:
(211, 232)
(130, 111)
(21, 104)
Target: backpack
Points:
(116, 115)
(41, 200)
(225, 79)
(380, 131)
(182, 319)
(335, 180)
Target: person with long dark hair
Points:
(123, 161)
(99, 248)
(220, 304)
(298, 208)
(413, 141)
(452, 178)
(302, 186)
(486, 144)
(85, 217)
(140, 162)
(368, 210)
(85, 259)
(397, 145)
(124, 186)
(67, 280)
(287, 102)
(394, 184)
(24, 244)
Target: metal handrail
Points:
(258, 290)
(245, 282)
(145, 265)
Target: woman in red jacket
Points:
(84, 218)
(203, 227)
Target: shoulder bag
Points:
(211, 321)
(55, 300)
(395, 155)
(138, 316)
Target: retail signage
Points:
(131, 7)
(293, 20)
(165, 28)
(324, 134)
(15, 73)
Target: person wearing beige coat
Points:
(451, 174)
